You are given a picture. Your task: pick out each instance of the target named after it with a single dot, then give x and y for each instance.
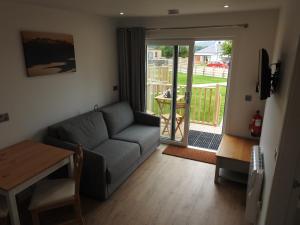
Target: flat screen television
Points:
(264, 75)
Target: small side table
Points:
(234, 154)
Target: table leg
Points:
(71, 166)
(13, 209)
(160, 106)
(217, 172)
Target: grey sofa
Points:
(116, 141)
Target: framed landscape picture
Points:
(48, 53)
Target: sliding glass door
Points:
(169, 71)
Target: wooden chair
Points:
(180, 110)
(166, 118)
(51, 194)
(180, 106)
(3, 212)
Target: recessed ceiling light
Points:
(226, 6)
(122, 13)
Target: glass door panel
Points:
(160, 63)
(169, 70)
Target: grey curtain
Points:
(132, 75)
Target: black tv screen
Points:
(264, 75)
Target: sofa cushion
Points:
(117, 117)
(145, 136)
(88, 129)
(119, 157)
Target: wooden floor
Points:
(168, 190)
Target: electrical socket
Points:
(248, 98)
(4, 117)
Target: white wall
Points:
(247, 42)
(35, 103)
(281, 123)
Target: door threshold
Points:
(171, 142)
(202, 149)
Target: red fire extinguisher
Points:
(256, 125)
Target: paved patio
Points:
(206, 128)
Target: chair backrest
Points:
(180, 107)
(78, 160)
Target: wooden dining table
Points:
(26, 163)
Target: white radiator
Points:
(255, 184)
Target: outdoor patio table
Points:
(162, 101)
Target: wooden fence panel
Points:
(205, 102)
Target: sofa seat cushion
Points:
(118, 117)
(119, 157)
(88, 129)
(145, 136)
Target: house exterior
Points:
(208, 54)
(154, 54)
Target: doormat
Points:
(204, 140)
(189, 153)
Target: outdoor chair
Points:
(180, 106)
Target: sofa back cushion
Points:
(118, 117)
(88, 129)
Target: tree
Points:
(167, 51)
(183, 52)
(226, 48)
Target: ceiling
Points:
(155, 7)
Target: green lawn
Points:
(197, 111)
(200, 79)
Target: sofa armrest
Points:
(93, 178)
(146, 119)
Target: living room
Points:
(159, 188)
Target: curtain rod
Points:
(245, 25)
